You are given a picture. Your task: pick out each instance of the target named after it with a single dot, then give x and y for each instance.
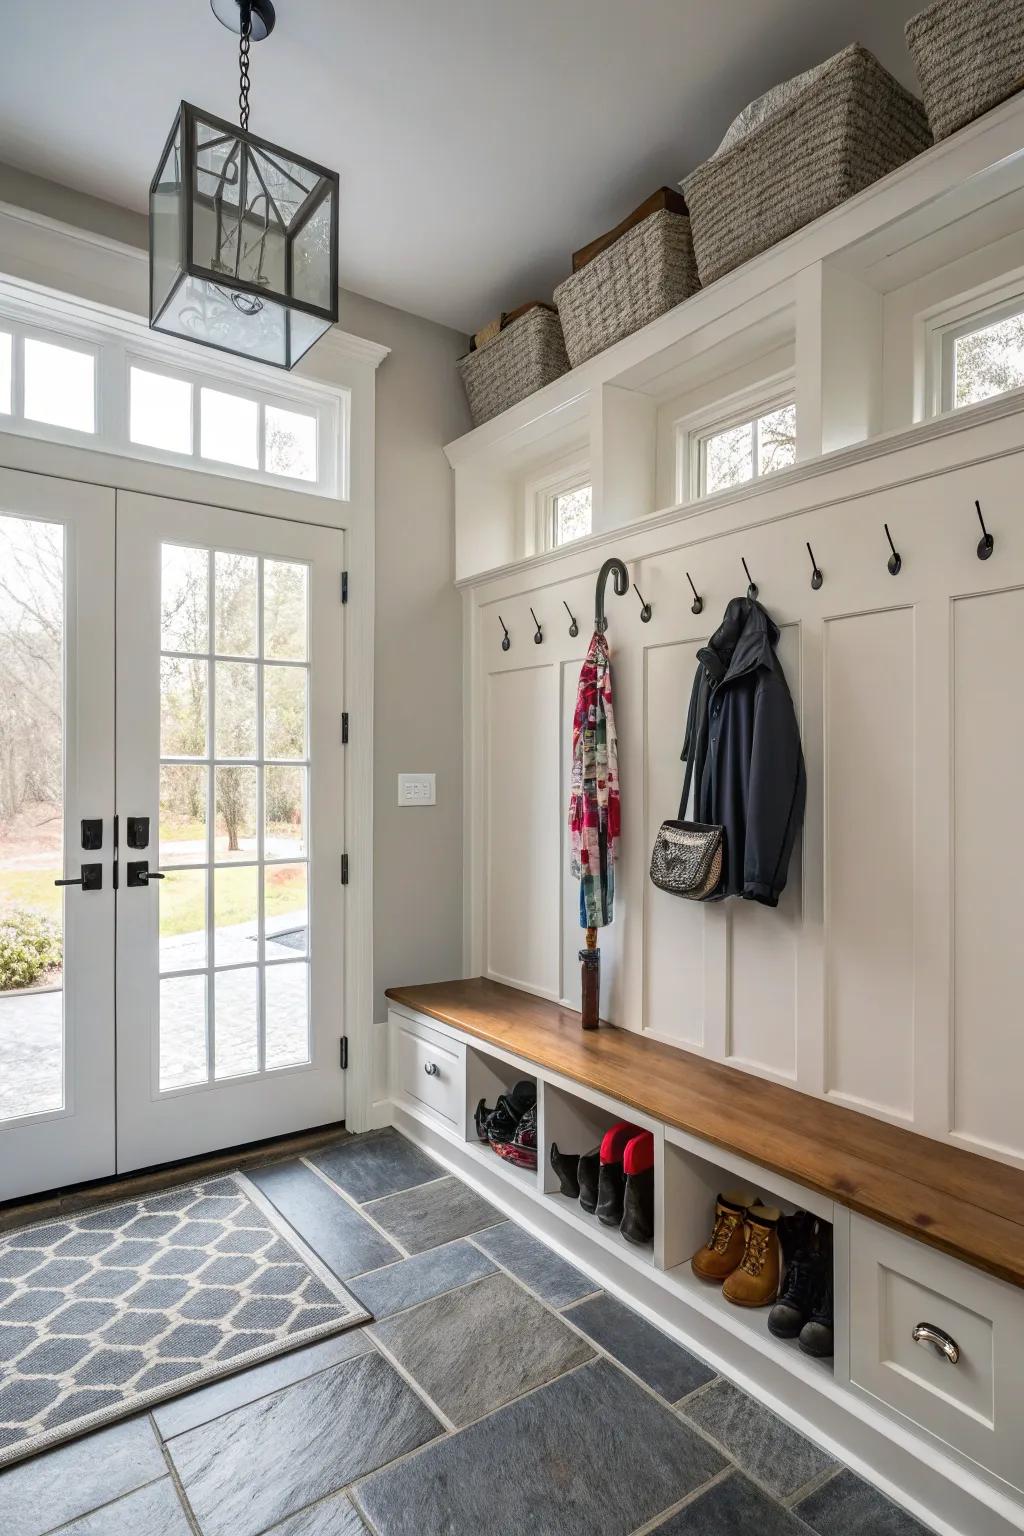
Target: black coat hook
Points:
(895, 559)
(506, 638)
(538, 634)
(816, 577)
(645, 608)
(574, 628)
(612, 567)
(987, 543)
(752, 584)
(697, 606)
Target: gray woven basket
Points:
(523, 357)
(849, 127)
(969, 56)
(648, 270)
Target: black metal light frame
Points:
(187, 118)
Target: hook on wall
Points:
(895, 561)
(697, 606)
(751, 583)
(987, 543)
(538, 634)
(574, 628)
(645, 608)
(506, 641)
(816, 576)
(612, 567)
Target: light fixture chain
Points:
(243, 66)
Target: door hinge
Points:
(344, 728)
(344, 869)
(344, 1053)
(344, 586)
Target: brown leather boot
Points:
(723, 1250)
(756, 1281)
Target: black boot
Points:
(817, 1334)
(798, 1236)
(638, 1205)
(611, 1186)
(566, 1165)
(587, 1173)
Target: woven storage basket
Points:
(969, 56)
(648, 270)
(523, 357)
(850, 126)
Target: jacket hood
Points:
(743, 641)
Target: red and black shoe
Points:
(611, 1182)
(637, 1224)
(522, 1149)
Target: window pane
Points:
(284, 610)
(285, 909)
(160, 411)
(285, 831)
(234, 915)
(235, 708)
(183, 685)
(235, 586)
(573, 514)
(183, 920)
(229, 428)
(776, 440)
(184, 599)
(989, 361)
(287, 1014)
(236, 1022)
(284, 711)
(728, 458)
(6, 345)
(290, 443)
(183, 796)
(182, 1032)
(234, 833)
(59, 387)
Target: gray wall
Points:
(418, 643)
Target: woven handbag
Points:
(688, 856)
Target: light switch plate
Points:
(417, 789)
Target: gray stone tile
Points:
(151, 1511)
(346, 1243)
(733, 1507)
(317, 1435)
(380, 1163)
(411, 1281)
(763, 1445)
(60, 1485)
(474, 1349)
(183, 1413)
(643, 1349)
(592, 1454)
(331, 1517)
(535, 1264)
(847, 1506)
(433, 1214)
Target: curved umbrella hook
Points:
(613, 567)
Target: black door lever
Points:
(139, 873)
(91, 878)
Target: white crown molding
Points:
(34, 228)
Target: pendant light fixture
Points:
(243, 235)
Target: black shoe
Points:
(566, 1165)
(638, 1204)
(817, 1335)
(587, 1171)
(499, 1123)
(793, 1308)
(611, 1183)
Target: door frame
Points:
(366, 1105)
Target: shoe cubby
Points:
(488, 1077)
(577, 1125)
(693, 1176)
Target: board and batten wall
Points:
(890, 978)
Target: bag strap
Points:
(687, 781)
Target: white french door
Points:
(230, 966)
(170, 741)
(56, 794)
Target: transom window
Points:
(981, 355)
(735, 453)
(571, 514)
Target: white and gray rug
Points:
(114, 1309)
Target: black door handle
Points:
(139, 873)
(91, 878)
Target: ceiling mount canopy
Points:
(243, 235)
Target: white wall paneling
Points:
(907, 694)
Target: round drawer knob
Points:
(432, 1069)
(935, 1339)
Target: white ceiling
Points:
(479, 141)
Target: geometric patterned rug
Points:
(109, 1311)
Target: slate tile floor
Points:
(497, 1390)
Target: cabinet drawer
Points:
(970, 1392)
(429, 1070)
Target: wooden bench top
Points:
(960, 1202)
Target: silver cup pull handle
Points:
(935, 1339)
(432, 1069)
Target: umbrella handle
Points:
(613, 567)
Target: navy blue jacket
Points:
(744, 745)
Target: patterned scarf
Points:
(594, 811)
